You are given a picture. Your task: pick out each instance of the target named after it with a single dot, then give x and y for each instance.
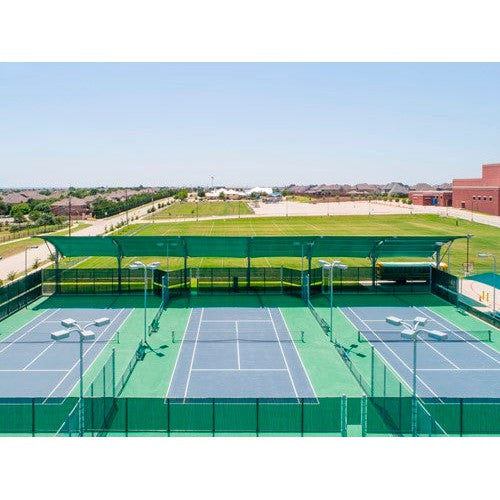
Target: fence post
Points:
(168, 417)
(281, 279)
(126, 417)
(461, 417)
(372, 371)
(302, 417)
(257, 417)
(213, 417)
(33, 426)
(364, 416)
(343, 416)
(113, 371)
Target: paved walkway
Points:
(42, 253)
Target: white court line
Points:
(30, 371)
(239, 320)
(388, 347)
(178, 354)
(283, 354)
(239, 370)
(455, 333)
(460, 369)
(238, 345)
(192, 357)
(298, 355)
(85, 353)
(36, 357)
(26, 332)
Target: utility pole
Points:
(69, 214)
(126, 203)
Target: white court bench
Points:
(436, 334)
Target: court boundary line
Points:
(85, 353)
(387, 362)
(283, 354)
(460, 330)
(193, 355)
(178, 354)
(27, 331)
(39, 354)
(298, 355)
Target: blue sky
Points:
(246, 124)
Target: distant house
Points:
(14, 198)
(395, 189)
(421, 186)
(33, 194)
(230, 194)
(258, 190)
(77, 207)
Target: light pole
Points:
(330, 266)
(70, 325)
(486, 256)
(411, 330)
(26, 258)
(138, 265)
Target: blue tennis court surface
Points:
(458, 367)
(32, 365)
(235, 352)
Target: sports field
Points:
(201, 209)
(486, 238)
(267, 348)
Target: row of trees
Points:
(33, 213)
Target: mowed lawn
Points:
(486, 238)
(201, 209)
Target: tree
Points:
(201, 193)
(182, 194)
(222, 195)
(19, 211)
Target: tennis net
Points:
(388, 336)
(242, 337)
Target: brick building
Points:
(479, 195)
(435, 198)
(79, 208)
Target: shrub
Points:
(11, 276)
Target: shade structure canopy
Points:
(373, 247)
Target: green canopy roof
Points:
(249, 246)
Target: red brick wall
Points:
(426, 198)
(473, 198)
(480, 195)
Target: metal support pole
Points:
(145, 302)
(343, 416)
(374, 271)
(331, 303)
(113, 371)
(248, 271)
(414, 389)
(119, 262)
(364, 415)
(372, 369)
(185, 271)
(58, 277)
(80, 402)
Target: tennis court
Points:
(32, 365)
(460, 366)
(232, 352)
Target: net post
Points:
(364, 416)
(343, 416)
(113, 372)
(33, 426)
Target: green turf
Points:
(485, 237)
(201, 209)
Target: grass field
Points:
(486, 238)
(16, 246)
(202, 209)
